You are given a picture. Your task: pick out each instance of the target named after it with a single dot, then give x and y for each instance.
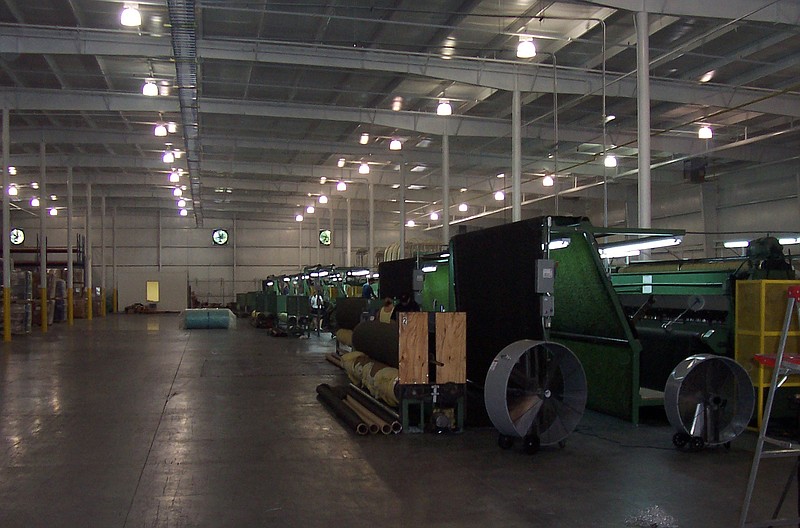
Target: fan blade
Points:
(525, 413)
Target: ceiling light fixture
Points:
(160, 130)
(444, 108)
(610, 161)
(181, 203)
(172, 127)
(149, 88)
(609, 118)
(434, 216)
(174, 177)
(395, 144)
(53, 197)
(34, 185)
(397, 103)
(323, 199)
(462, 207)
(298, 218)
(341, 186)
(176, 192)
(168, 157)
(130, 16)
(12, 190)
(364, 139)
(411, 223)
(363, 168)
(184, 212)
(622, 249)
(705, 132)
(499, 196)
(53, 211)
(322, 180)
(707, 76)
(34, 202)
(731, 244)
(340, 163)
(501, 175)
(526, 49)
(548, 181)
(310, 209)
(12, 170)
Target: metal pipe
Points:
(6, 232)
(402, 209)
(88, 249)
(376, 408)
(371, 256)
(445, 183)
(345, 413)
(381, 425)
(70, 270)
(103, 255)
(370, 420)
(43, 238)
(347, 257)
(643, 107)
(516, 155)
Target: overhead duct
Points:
(184, 46)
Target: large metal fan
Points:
(709, 401)
(535, 390)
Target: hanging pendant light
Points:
(526, 49)
(444, 108)
(341, 186)
(149, 88)
(363, 168)
(130, 16)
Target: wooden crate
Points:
(413, 348)
(451, 347)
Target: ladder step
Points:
(784, 444)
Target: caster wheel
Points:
(562, 444)
(531, 444)
(505, 442)
(696, 444)
(727, 446)
(679, 440)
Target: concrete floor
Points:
(129, 421)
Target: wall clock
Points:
(17, 236)
(219, 237)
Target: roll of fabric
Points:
(208, 318)
(345, 336)
(378, 340)
(375, 377)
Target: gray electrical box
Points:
(417, 280)
(545, 276)
(547, 305)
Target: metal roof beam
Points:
(771, 11)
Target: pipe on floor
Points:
(345, 413)
(370, 420)
(376, 408)
(381, 425)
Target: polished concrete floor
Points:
(130, 421)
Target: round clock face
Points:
(17, 236)
(325, 237)
(219, 237)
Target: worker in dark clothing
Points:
(367, 291)
(406, 304)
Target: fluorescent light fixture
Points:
(415, 187)
(622, 249)
(397, 103)
(163, 90)
(183, 212)
(12, 190)
(463, 189)
(526, 49)
(342, 186)
(434, 216)
(462, 207)
(789, 241)
(286, 279)
(34, 202)
(363, 168)
(444, 108)
(707, 76)
(178, 153)
(499, 196)
(323, 199)
(322, 180)
(610, 161)
(177, 191)
(501, 175)
(418, 168)
(428, 269)
(395, 144)
(172, 127)
(340, 163)
(359, 273)
(619, 253)
(174, 177)
(610, 118)
(310, 209)
(181, 203)
(559, 243)
(730, 244)
(376, 275)
(53, 211)
(364, 139)
(149, 88)
(411, 223)
(298, 218)
(424, 143)
(53, 197)
(168, 157)
(34, 185)
(130, 16)
(270, 283)
(12, 170)
(704, 132)
(160, 130)
(548, 181)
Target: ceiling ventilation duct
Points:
(184, 46)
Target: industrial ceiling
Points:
(268, 97)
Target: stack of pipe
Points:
(360, 412)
